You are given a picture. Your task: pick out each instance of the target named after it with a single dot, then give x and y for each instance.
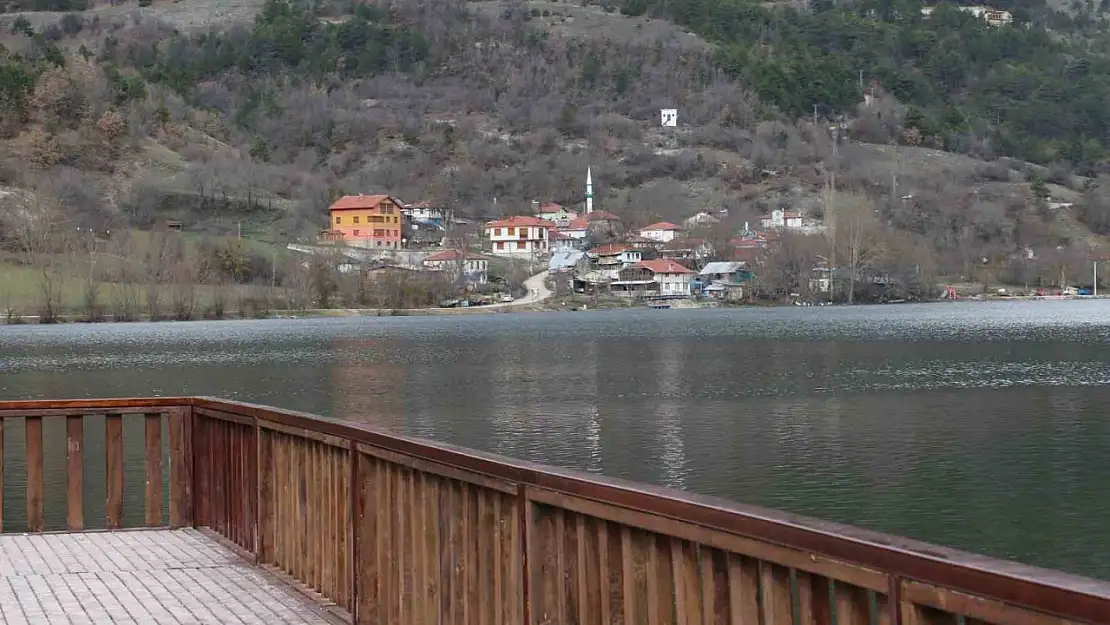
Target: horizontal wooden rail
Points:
(387, 528)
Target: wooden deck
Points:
(137, 577)
(370, 527)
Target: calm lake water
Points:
(981, 426)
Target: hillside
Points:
(126, 116)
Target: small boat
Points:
(658, 305)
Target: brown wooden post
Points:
(352, 528)
(527, 519)
(153, 469)
(1, 474)
(75, 472)
(264, 510)
(181, 467)
(34, 473)
(113, 451)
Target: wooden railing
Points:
(390, 529)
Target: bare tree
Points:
(858, 240)
(43, 243)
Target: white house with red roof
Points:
(576, 229)
(662, 231)
(519, 236)
(653, 278)
(471, 267)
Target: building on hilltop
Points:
(992, 16)
(372, 221)
(519, 236)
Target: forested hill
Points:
(1035, 90)
(250, 115)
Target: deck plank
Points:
(145, 576)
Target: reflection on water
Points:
(980, 426)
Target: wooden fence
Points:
(389, 529)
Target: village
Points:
(589, 253)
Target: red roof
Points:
(453, 255)
(348, 202)
(578, 224)
(550, 207)
(520, 220)
(602, 216)
(553, 233)
(609, 249)
(662, 225)
(663, 266)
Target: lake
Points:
(980, 426)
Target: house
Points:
(366, 221)
(662, 231)
(559, 242)
(427, 215)
(556, 213)
(724, 280)
(519, 236)
(668, 278)
(610, 259)
(576, 229)
(566, 261)
(687, 249)
(782, 220)
(460, 265)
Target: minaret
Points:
(589, 192)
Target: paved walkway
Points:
(141, 577)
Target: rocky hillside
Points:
(128, 115)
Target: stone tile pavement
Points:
(179, 577)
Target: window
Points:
(356, 219)
(497, 232)
(356, 229)
(512, 231)
(500, 245)
(378, 232)
(338, 220)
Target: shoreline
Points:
(323, 313)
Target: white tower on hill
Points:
(589, 192)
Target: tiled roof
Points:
(600, 215)
(662, 225)
(663, 266)
(578, 224)
(520, 220)
(609, 249)
(361, 201)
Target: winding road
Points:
(537, 292)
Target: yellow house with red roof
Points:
(366, 221)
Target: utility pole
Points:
(1094, 265)
(814, 115)
(861, 79)
(239, 230)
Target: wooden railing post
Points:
(153, 494)
(1, 474)
(113, 470)
(34, 473)
(352, 528)
(75, 472)
(181, 467)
